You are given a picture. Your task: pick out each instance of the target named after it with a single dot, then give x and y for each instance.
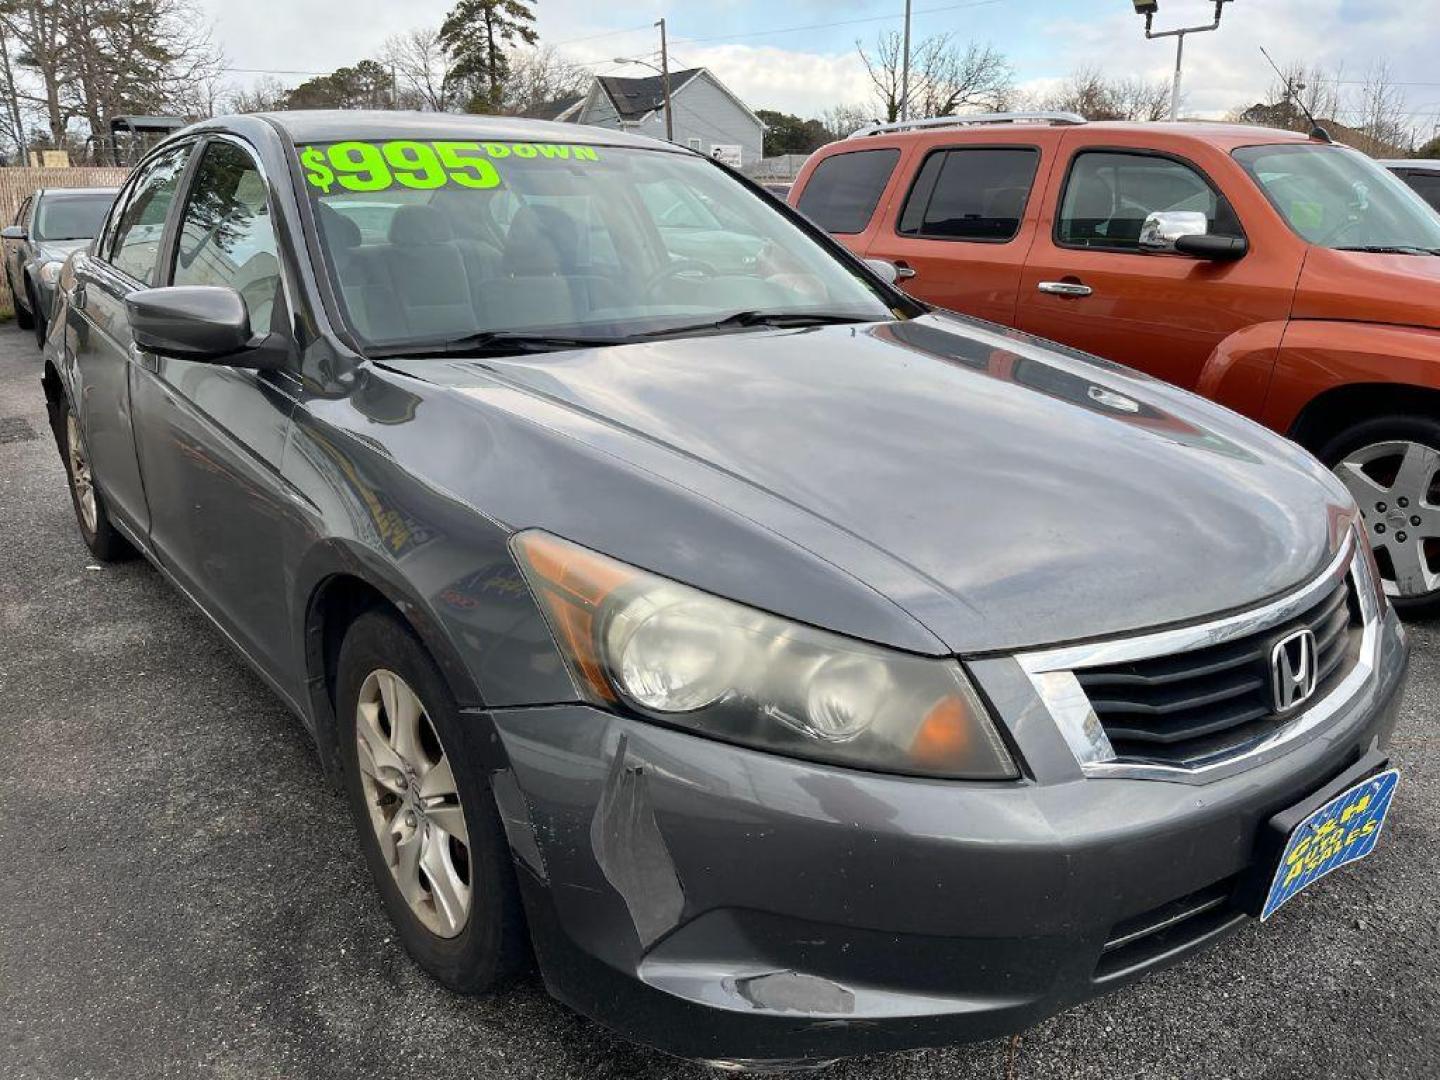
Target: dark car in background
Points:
(50, 224)
(1422, 174)
(796, 671)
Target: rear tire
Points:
(1391, 464)
(23, 319)
(389, 691)
(96, 529)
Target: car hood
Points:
(56, 250)
(1004, 492)
(1360, 286)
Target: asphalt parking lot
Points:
(181, 893)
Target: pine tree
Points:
(476, 34)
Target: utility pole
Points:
(665, 83)
(1148, 8)
(905, 69)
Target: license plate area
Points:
(1344, 828)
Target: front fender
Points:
(1318, 355)
(1239, 370)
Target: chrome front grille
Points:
(1189, 706)
(1199, 702)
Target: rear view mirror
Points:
(13, 232)
(202, 323)
(884, 269)
(1187, 232)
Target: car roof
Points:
(329, 125)
(76, 191)
(1421, 164)
(1225, 136)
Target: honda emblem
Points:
(1292, 670)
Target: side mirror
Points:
(884, 269)
(13, 232)
(205, 323)
(1187, 232)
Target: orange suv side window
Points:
(974, 194)
(1108, 195)
(844, 189)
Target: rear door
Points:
(211, 437)
(99, 329)
(960, 232)
(1088, 284)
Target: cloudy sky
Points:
(799, 56)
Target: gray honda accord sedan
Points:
(792, 670)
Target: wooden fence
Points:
(15, 184)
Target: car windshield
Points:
(1338, 198)
(70, 217)
(434, 243)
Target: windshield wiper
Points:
(1391, 249)
(742, 319)
(498, 343)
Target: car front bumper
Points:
(723, 904)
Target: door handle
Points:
(903, 270)
(1065, 288)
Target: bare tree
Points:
(1379, 113)
(841, 121)
(267, 94)
(1096, 96)
(423, 70)
(540, 77)
(945, 75)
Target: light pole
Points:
(664, 72)
(1148, 8)
(905, 69)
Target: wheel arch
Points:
(1332, 411)
(340, 581)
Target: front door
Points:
(211, 437)
(99, 331)
(1089, 285)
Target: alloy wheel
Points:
(1397, 484)
(80, 478)
(414, 803)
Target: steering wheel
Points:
(1336, 233)
(677, 268)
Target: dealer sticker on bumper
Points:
(1343, 830)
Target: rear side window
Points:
(1426, 185)
(972, 194)
(138, 231)
(1109, 194)
(845, 188)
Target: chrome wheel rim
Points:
(80, 478)
(413, 803)
(1397, 485)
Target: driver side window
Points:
(226, 235)
(1108, 196)
(138, 231)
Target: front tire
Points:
(424, 811)
(96, 529)
(1391, 464)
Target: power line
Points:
(838, 22)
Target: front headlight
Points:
(50, 272)
(674, 654)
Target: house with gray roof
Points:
(709, 117)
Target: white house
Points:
(708, 116)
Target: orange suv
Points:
(1296, 281)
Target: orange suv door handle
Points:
(1065, 288)
(903, 270)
